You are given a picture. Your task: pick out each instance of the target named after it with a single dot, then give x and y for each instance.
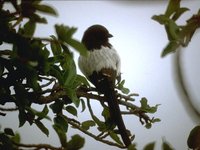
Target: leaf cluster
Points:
(178, 35)
(29, 66)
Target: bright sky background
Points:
(139, 41)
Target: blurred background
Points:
(139, 41)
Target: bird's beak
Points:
(110, 35)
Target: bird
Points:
(102, 67)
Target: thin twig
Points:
(48, 83)
(127, 97)
(94, 136)
(2, 114)
(8, 109)
(5, 52)
(38, 146)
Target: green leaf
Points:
(172, 30)
(125, 90)
(193, 141)
(37, 2)
(69, 75)
(56, 72)
(9, 131)
(78, 46)
(71, 110)
(155, 120)
(166, 146)
(83, 105)
(87, 124)
(70, 32)
(115, 137)
(121, 87)
(57, 106)
(82, 80)
(16, 138)
(22, 118)
(150, 146)
(162, 19)
(29, 28)
(148, 125)
(65, 48)
(170, 48)
(43, 113)
(21, 95)
(179, 12)
(55, 59)
(46, 9)
(61, 135)
(65, 34)
(37, 18)
(71, 93)
(62, 32)
(41, 126)
(55, 46)
(132, 147)
(76, 143)
(173, 5)
(61, 122)
(101, 125)
(106, 113)
(145, 106)
(189, 29)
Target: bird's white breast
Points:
(98, 59)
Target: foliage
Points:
(180, 36)
(42, 71)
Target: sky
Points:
(139, 41)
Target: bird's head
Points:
(95, 37)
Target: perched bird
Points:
(101, 67)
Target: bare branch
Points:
(2, 114)
(51, 80)
(38, 146)
(5, 52)
(127, 97)
(8, 109)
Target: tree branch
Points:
(92, 135)
(38, 146)
(8, 109)
(82, 92)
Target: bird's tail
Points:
(105, 83)
(115, 114)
